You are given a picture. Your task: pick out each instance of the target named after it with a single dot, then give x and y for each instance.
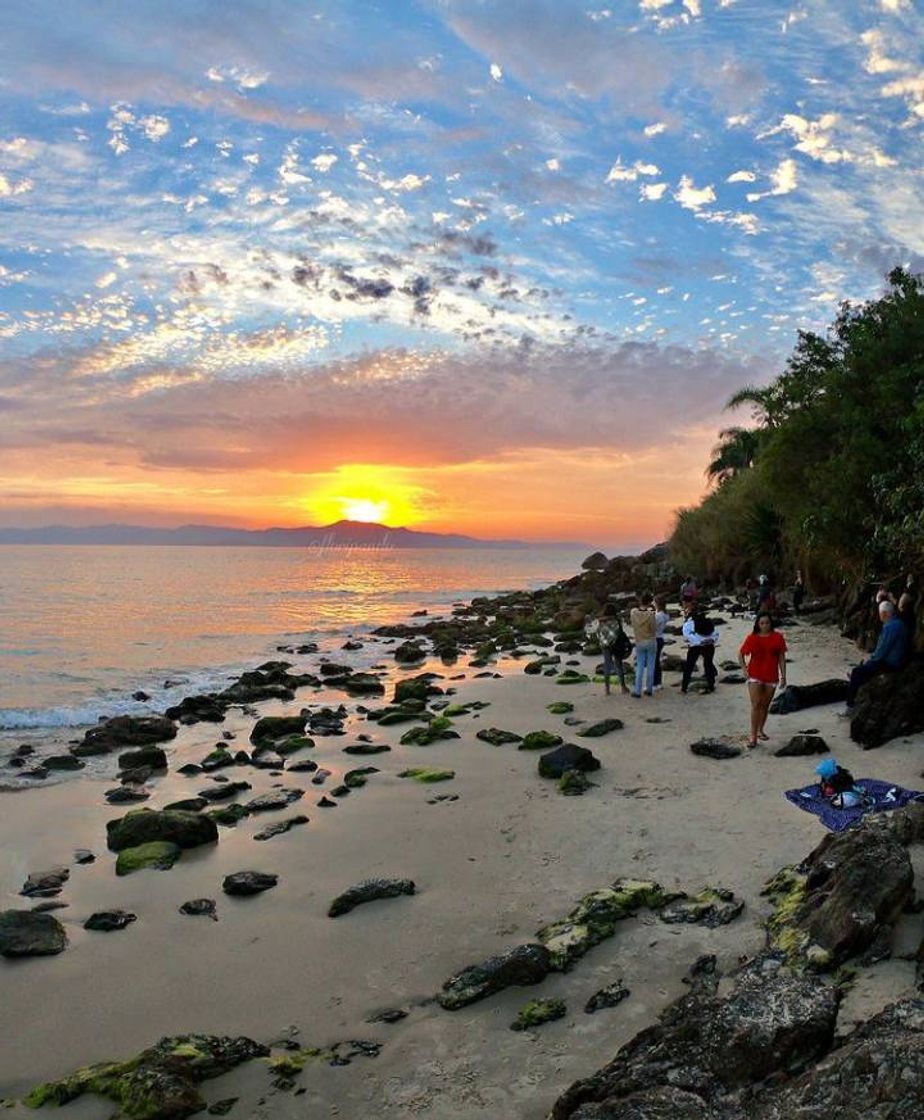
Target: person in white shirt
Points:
(701, 638)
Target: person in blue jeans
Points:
(888, 656)
(644, 631)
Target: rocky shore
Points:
(462, 882)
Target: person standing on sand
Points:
(614, 644)
(662, 618)
(644, 628)
(762, 656)
(701, 638)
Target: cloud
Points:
(741, 177)
(497, 74)
(620, 174)
(691, 197)
(815, 138)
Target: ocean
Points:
(84, 627)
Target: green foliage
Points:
(832, 475)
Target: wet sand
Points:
(491, 868)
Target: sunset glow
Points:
(361, 509)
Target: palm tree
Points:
(735, 452)
(766, 406)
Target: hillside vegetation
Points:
(830, 476)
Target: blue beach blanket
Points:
(880, 797)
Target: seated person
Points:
(888, 656)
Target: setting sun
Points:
(362, 509)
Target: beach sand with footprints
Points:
(496, 853)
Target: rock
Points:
(188, 805)
(326, 803)
(427, 774)
(596, 917)
(610, 996)
(153, 757)
(63, 762)
(275, 799)
(109, 920)
(159, 855)
(368, 891)
(436, 729)
(228, 815)
(537, 1012)
(416, 688)
(222, 1107)
(200, 908)
(189, 769)
(795, 697)
(271, 730)
(141, 696)
(289, 746)
(408, 652)
(539, 741)
(596, 562)
(560, 708)
(45, 884)
(320, 777)
(83, 856)
(569, 756)
(25, 933)
(265, 759)
(604, 727)
(571, 676)
(157, 1084)
(497, 737)
(306, 766)
(803, 745)
(279, 827)
(574, 783)
(198, 709)
(224, 792)
(136, 777)
(125, 731)
(126, 795)
(39, 773)
(534, 668)
(523, 965)
(364, 684)
(186, 830)
(706, 1046)
(245, 883)
(356, 779)
(715, 748)
(831, 906)
(712, 907)
(217, 759)
(332, 669)
(888, 706)
(366, 748)
(327, 721)
(390, 1015)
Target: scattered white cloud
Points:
(655, 129)
(783, 180)
(10, 187)
(741, 177)
(497, 72)
(895, 6)
(618, 173)
(323, 162)
(107, 280)
(243, 78)
(155, 128)
(652, 192)
(815, 138)
(692, 198)
(553, 164)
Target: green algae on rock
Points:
(157, 1084)
(711, 907)
(427, 774)
(497, 736)
(540, 741)
(537, 1012)
(596, 916)
(560, 708)
(159, 855)
(436, 729)
(574, 783)
(571, 676)
(140, 826)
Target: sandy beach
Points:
(510, 855)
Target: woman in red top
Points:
(765, 650)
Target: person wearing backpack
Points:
(701, 638)
(614, 644)
(763, 658)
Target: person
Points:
(766, 599)
(642, 619)
(608, 632)
(689, 592)
(762, 656)
(662, 618)
(701, 638)
(798, 591)
(888, 656)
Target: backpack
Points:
(703, 626)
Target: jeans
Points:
(863, 673)
(613, 664)
(657, 673)
(645, 653)
(693, 655)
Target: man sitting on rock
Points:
(888, 656)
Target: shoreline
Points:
(509, 856)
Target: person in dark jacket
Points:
(888, 656)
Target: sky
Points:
(488, 266)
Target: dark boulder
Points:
(715, 748)
(45, 884)
(795, 697)
(153, 757)
(186, 830)
(198, 709)
(803, 745)
(245, 883)
(63, 762)
(889, 706)
(224, 792)
(408, 652)
(569, 756)
(366, 748)
(280, 827)
(200, 908)
(364, 684)
(271, 730)
(125, 731)
(603, 727)
(108, 920)
(610, 996)
(26, 933)
(275, 799)
(520, 966)
(497, 737)
(368, 891)
(416, 688)
(127, 795)
(595, 562)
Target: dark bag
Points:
(703, 626)
(623, 646)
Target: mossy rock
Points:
(399, 715)
(711, 907)
(596, 917)
(270, 730)
(436, 729)
(414, 688)
(160, 855)
(534, 668)
(560, 707)
(141, 826)
(573, 783)
(497, 737)
(292, 744)
(603, 727)
(355, 779)
(217, 759)
(540, 741)
(537, 1012)
(455, 710)
(787, 891)
(427, 775)
(157, 1084)
(228, 815)
(571, 676)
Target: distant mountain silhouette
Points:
(341, 534)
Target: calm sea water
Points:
(82, 628)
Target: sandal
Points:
(751, 746)
(763, 738)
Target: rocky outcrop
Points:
(520, 966)
(125, 731)
(369, 891)
(186, 830)
(889, 706)
(27, 933)
(537, 1012)
(159, 1083)
(796, 697)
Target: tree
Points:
(735, 452)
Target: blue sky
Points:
(251, 242)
